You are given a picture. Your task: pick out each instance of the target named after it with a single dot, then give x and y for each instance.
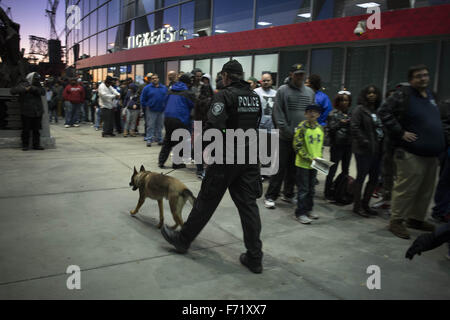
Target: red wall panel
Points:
(427, 21)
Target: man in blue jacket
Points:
(177, 115)
(315, 83)
(153, 99)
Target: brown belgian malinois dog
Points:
(158, 186)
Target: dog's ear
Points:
(142, 168)
(135, 171)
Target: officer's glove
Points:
(424, 242)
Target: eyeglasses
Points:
(266, 80)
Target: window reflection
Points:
(159, 4)
(102, 18)
(365, 66)
(187, 19)
(101, 44)
(93, 22)
(406, 55)
(270, 13)
(233, 16)
(113, 13)
(93, 46)
(146, 6)
(167, 18)
(328, 63)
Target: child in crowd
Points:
(132, 104)
(308, 145)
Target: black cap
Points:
(233, 66)
(314, 107)
(186, 78)
(297, 68)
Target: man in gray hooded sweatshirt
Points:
(288, 111)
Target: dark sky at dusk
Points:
(30, 14)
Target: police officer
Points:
(234, 107)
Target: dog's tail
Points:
(187, 194)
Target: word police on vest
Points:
(235, 144)
(248, 104)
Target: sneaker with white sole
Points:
(303, 219)
(66, 126)
(269, 203)
(313, 215)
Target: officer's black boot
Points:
(174, 238)
(253, 266)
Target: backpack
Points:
(343, 189)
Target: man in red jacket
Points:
(73, 98)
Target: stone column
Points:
(47, 141)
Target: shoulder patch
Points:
(217, 108)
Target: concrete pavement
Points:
(70, 206)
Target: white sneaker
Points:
(303, 219)
(269, 203)
(66, 126)
(313, 215)
(76, 125)
(289, 200)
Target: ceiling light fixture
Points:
(221, 31)
(263, 23)
(304, 15)
(368, 5)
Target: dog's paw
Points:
(132, 212)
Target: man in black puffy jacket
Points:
(30, 94)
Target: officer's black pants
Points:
(286, 172)
(244, 184)
(31, 124)
(170, 125)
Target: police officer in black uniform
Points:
(234, 107)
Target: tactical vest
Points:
(245, 108)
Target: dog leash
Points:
(165, 174)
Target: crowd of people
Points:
(398, 141)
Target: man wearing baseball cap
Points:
(234, 107)
(289, 109)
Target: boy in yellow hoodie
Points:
(308, 145)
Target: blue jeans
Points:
(306, 184)
(98, 115)
(71, 111)
(154, 122)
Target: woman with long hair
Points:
(367, 135)
(338, 130)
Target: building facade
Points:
(129, 38)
